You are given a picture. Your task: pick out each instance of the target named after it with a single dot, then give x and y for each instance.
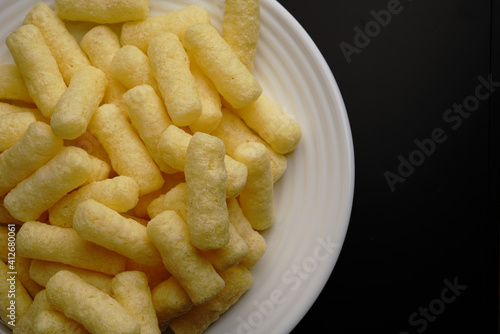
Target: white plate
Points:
(313, 199)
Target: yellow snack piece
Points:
(37, 66)
(110, 11)
(78, 103)
(101, 44)
(170, 65)
(7, 108)
(103, 226)
(53, 322)
(148, 115)
(216, 59)
(131, 67)
(211, 105)
(12, 86)
(233, 131)
(89, 306)
(23, 265)
(184, 261)
(41, 190)
(120, 193)
(173, 145)
(63, 45)
(141, 32)
(131, 290)
(6, 217)
(238, 280)
(13, 126)
(275, 126)
(14, 299)
(58, 244)
(229, 255)
(253, 239)
(127, 152)
(170, 300)
(33, 150)
(241, 28)
(256, 198)
(41, 271)
(207, 216)
(91, 145)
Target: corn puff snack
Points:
(78, 103)
(37, 66)
(40, 191)
(13, 126)
(206, 179)
(58, 244)
(120, 193)
(127, 152)
(170, 300)
(89, 306)
(216, 59)
(14, 299)
(103, 226)
(241, 28)
(110, 11)
(63, 46)
(132, 291)
(185, 262)
(256, 198)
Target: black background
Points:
(440, 224)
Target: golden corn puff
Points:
(238, 280)
(253, 239)
(41, 190)
(229, 255)
(58, 244)
(78, 103)
(141, 209)
(6, 217)
(89, 306)
(12, 86)
(170, 300)
(276, 127)
(91, 145)
(54, 322)
(41, 271)
(132, 68)
(148, 115)
(37, 67)
(141, 32)
(120, 193)
(131, 290)
(173, 146)
(241, 28)
(103, 226)
(13, 126)
(216, 59)
(7, 108)
(256, 198)
(155, 275)
(211, 105)
(63, 45)
(127, 152)
(110, 11)
(101, 44)
(233, 131)
(170, 65)
(206, 179)
(33, 150)
(183, 260)
(14, 299)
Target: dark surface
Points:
(405, 246)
